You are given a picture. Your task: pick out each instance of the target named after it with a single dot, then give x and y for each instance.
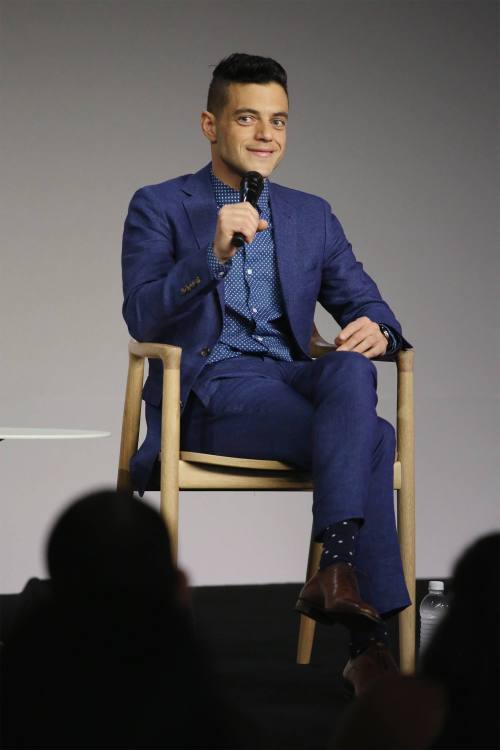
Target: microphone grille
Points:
(255, 178)
(251, 182)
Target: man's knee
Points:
(351, 368)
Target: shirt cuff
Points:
(217, 269)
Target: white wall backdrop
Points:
(393, 119)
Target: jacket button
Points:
(205, 352)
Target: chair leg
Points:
(407, 638)
(307, 626)
(169, 509)
(406, 531)
(131, 421)
(307, 629)
(406, 505)
(169, 465)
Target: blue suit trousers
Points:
(321, 416)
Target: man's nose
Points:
(264, 132)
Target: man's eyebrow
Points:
(256, 112)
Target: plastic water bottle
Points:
(432, 609)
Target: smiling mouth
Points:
(257, 152)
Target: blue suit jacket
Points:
(171, 297)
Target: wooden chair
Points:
(184, 470)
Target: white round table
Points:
(39, 433)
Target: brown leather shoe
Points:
(373, 663)
(332, 595)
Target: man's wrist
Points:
(218, 268)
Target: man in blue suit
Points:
(244, 317)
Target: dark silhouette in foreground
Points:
(452, 703)
(464, 656)
(109, 659)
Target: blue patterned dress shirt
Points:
(254, 320)
(252, 291)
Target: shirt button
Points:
(221, 274)
(205, 352)
(249, 271)
(259, 338)
(254, 309)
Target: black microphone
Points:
(250, 189)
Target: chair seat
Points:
(237, 463)
(211, 472)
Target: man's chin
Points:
(254, 164)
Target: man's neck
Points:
(229, 178)
(226, 175)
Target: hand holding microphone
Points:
(238, 223)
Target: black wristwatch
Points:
(387, 335)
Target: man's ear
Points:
(183, 595)
(208, 126)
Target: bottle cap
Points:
(436, 586)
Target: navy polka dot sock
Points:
(364, 633)
(339, 543)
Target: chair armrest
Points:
(170, 424)
(405, 411)
(171, 359)
(404, 359)
(318, 347)
(169, 355)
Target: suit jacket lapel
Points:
(285, 241)
(201, 209)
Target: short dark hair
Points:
(242, 68)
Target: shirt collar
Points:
(226, 194)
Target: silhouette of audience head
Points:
(464, 655)
(478, 566)
(110, 658)
(452, 704)
(110, 543)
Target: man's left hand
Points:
(364, 336)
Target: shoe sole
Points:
(330, 618)
(309, 610)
